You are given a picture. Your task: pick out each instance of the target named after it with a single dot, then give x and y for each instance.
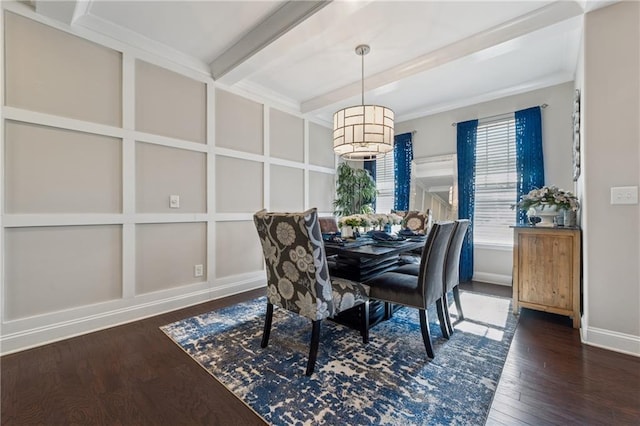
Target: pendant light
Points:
(363, 132)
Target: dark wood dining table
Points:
(364, 259)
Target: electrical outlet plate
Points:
(174, 201)
(198, 270)
(624, 195)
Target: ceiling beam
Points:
(540, 18)
(290, 14)
(62, 11)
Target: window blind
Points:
(495, 183)
(385, 183)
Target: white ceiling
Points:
(426, 56)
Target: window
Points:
(385, 183)
(495, 190)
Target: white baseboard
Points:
(486, 277)
(38, 336)
(611, 340)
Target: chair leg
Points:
(364, 312)
(388, 311)
(444, 324)
(456, 297)
(426, 336)
(447, 315)
(267, 326)
(313, 350)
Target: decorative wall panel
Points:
(51, 170)
(286, 136)
(49, 269)
(166, 254)
(238, 248)
(239, 123)
(321, 146)
(170, 104)
(321, 191)
(287, 189)
(163, 171)
(54, 72)
(239, 185)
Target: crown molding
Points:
(486, 97)
(143, 43)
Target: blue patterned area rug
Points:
(387, 382)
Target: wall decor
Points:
(576, 135)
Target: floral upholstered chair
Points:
(420, 222)
(298, 275)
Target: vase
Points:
(346, 232)
(546, 213)
(570, 218)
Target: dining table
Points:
(364, 258)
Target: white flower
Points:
(323, 310)
(269, 251)
(414, 223)
(548, 196)
(290, 270)
(307, 306)
(285, 233)
(285, 288)
(347, 301)
(273, 295)
(303, 259)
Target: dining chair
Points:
(423, 290)
(298, 277)
(451, 278)
(418, 221)
(328, 225)
(452, 270)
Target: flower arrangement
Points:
(367, 220)
(548, 196)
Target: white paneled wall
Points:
(96, 138)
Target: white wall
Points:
(436, 136)
(611, 152)
(87, 236)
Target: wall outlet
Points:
(624, 195)
(174, 201)
(198, 270)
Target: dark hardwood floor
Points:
(134, 375)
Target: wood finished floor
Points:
(133, 374)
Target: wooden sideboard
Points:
(546, 270)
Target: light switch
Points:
(174, 201)
(624, 195)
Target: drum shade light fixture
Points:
(363, 132)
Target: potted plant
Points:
(355, 191)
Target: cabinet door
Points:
(545, 265)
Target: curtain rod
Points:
(499, 115)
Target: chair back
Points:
(417, 221)
(431, 276)
(452, 264)
(328, 225)
(296, 263)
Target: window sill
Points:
(493, 246)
